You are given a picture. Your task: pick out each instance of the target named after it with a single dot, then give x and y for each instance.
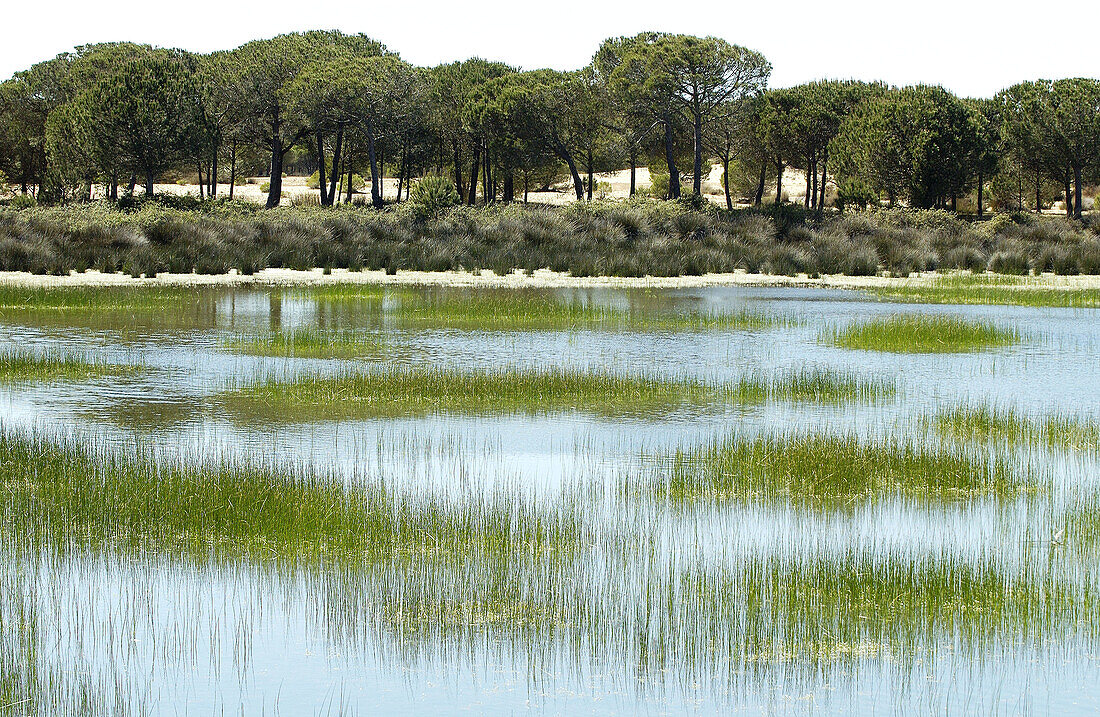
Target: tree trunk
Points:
(375, 186)
(202, 186)
(1069, 196)
(382, 171)
(806, 199)
(633, 171)
(114, 186)
(759, 199)
(813, 191)
(458, 170)
(474, 166)
(670, 159)
(149, 183)
(509, 185)
(981, 197)
(821, 187)
(697, 167)
(349, 188)
(322, 178)
(779, 182)
(726, 179)
(487, 194)
(337, 157)
(214, 170)
(132, 184)
(567, 157)
(232, 169)
(591, 176)
(1077, 191)
(275, 180)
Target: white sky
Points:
(974, 48)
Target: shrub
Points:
(965, 257)
(1010, 262)
(621, 238)
(23, 201)
(855, 194)
(431, 196)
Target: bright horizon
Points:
(970, 50)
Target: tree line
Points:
(119, 114)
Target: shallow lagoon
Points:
(165, 634)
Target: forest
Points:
(120, 114)
(111, 122)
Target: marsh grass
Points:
(988, 423)
(825, 469)
(747, 622)
(994, 289)
(855, 604)
(524, 310)
(827, 386)
(1080, 527)
(59, 495)
(395, 391)
(310, 343)
(19, 365)
(112, 307)
(921, 334)
(78, 299)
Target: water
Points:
(167, 636)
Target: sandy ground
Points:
(611, 185)
(543, 278)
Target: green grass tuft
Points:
(60, 494)
(523, 310)
(921, 334)
(309, 343)
(985, 424)
(395, 392)
(825, 469)
(22, 365)
(828, 386)
(995, 289)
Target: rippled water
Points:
(178, 638)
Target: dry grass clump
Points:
(615, 238)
